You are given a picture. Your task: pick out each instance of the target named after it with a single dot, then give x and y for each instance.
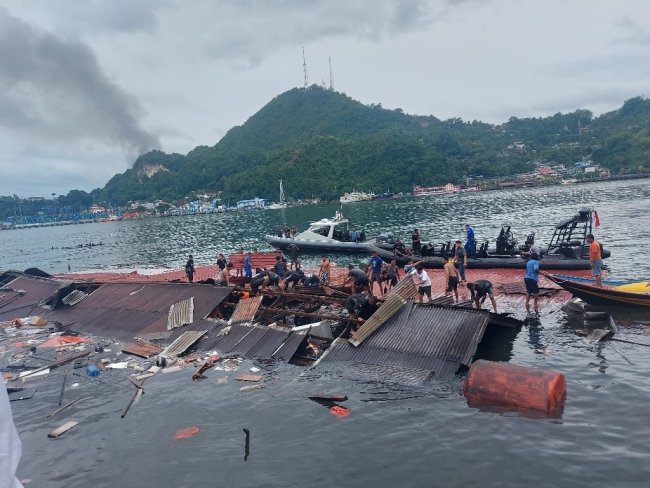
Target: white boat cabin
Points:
(325, 230)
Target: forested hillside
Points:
(323, 143)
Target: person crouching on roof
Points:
(480, 290)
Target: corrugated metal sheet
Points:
(391, 306)
(246, 309)
(405, 288)
(443, 300)
(27, 295)
(181, 313)
(434, 339)
(127, 310)
(391, 374)
(74, 297)
(290, 346)
(183, 343)
(141, 348)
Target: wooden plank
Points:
(63, 407)
(59, 431)
(249, 377)
(251, 387)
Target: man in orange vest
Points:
(595, 259)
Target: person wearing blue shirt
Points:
(248, 268)
(531, 280)
(375, 273)
(470, 245)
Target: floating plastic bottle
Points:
(92, 370)
(530, 390)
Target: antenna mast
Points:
(304, 68)
(331, 76)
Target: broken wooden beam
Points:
(63, 407)
(198, 374)
(249, 377)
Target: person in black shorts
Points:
(480, 290)
(452, 277)
(294, 278)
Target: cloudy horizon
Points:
(85, 87)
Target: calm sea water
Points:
(394, 436)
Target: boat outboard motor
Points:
(506, 243)
(482, 251)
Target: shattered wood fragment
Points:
(198, 374)
(63, 407)
(59, 431)
(249, 377)
(251, 387)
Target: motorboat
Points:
(356, 196)
(331, 235)
(595, 295)
(567, 250)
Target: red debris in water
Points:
(186, 433)
(339, 411)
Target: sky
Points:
(87, 86)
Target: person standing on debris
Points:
(460, 256)
(293, 255)
(392, 271)
(452, 277)
(221, 262)
(324, 271)
(417, 242)
(480, 290)
(376, 264)
(189, 268)
(595, 259)
(358, 278)
(424, 282)
(223, 277)
(531, 280)
(248, 265)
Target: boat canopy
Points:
(326, 229)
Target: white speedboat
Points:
(326, 235)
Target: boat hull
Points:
(546, 263)
(314, 246)
(594, 295)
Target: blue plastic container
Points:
(92, 370)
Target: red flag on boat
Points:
(596, 219)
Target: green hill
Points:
(323, 143)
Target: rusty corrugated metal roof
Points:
(246, 309)
(144, 349)
(181, 313)
(428, 338)
(27, 295)
(127, 310)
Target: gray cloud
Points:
(54, 89)
(263, 27)
(634, 33)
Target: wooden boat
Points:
(600, 296)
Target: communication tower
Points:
(331, 76)
(304, 68)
